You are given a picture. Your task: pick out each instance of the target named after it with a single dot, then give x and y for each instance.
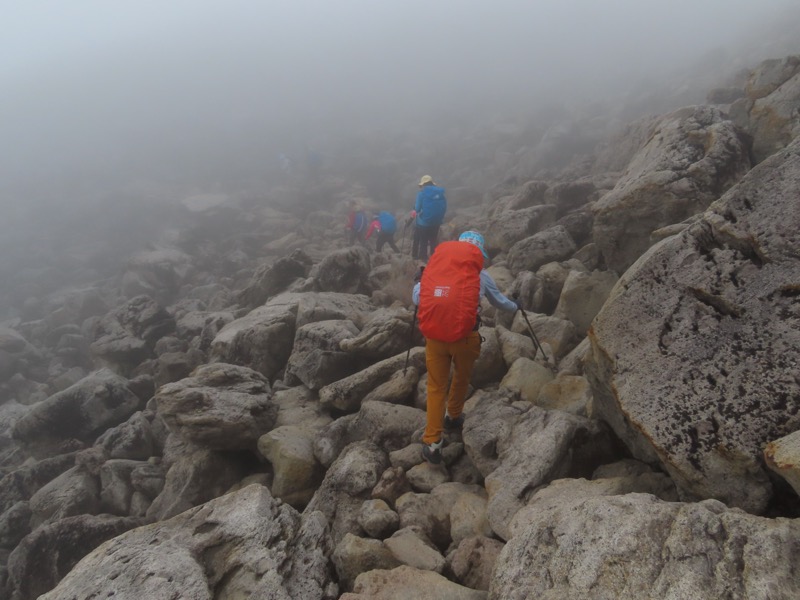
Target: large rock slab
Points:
(407, 582)
(348, 393)
(532, 252)
(519, 447)
(193, 476)
(22, 483)
(582, 297)
(81, 412)
(344, 271)
(275, 277)
(783, 457)
(347, 484)
(74, 492)
(159, 273)
(45, 556)
(693, 355)
(127, 335)
(220, 407)
(316, 358)
(636, 546)
(243, 545)
(769, 111)
(510, 226)
(386, 332)
(694, 155)
(262, 339)
(297, 473)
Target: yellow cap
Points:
(426, 179)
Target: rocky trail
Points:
(231, 414)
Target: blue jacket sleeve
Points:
(415, 294)
(494, 295)
(418, 204)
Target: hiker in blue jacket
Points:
(385, 225)
(430, 208)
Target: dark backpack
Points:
(449, 292)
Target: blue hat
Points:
(473, 237)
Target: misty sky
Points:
(94, 83)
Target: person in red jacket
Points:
(357, 223)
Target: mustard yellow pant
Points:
(439, 356)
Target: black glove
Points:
(418, 276)
(515, 298)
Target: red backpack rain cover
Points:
(449, 292)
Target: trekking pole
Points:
(528, 323)
(410, 338)
(403, 242)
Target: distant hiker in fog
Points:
(386, 226)
(313, 165)
(357, 224)
(285, 163)
(430, 209)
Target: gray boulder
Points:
(13, 347)
(519, 447)
(344, 271)
(472, 562)
(331, 306)
(508, 227)
(48, 554)
(694, 155)
(582, 297)
(316, 358)
(159, 273)
(81, 412)
(355, 555)
(297, 472)
(690, 354)
(550, 245)
(243, 545)
(769, 110)
(385, 333)
(642, 547)
(74, 492)
(127, 335)
(262, 339)
(10, 451)
(138, 438)
(347, 484)
(783, 457)
(193, 476)
(14, 525)
(221, 407)
(20, 484)
(274, 278)
(348, 393)
(406, 582)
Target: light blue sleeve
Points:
(494, 295)
(415, 294)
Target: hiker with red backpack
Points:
(448, 296)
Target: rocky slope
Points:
(234, 413)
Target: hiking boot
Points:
(432, 452)
(456, 424)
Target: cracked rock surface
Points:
(717, 310)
